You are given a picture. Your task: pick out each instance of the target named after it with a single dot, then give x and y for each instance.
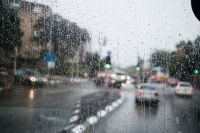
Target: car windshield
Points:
(99, 66)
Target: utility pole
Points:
(15, 60)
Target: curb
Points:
(91, 120)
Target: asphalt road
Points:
(50, 108)
(173, 114)
(44, 109)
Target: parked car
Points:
(5, 82)
(29, 76)
(184, 88)
(146, 93)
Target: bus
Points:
(159, 74)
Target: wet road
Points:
(173, 114)
(39, 110)
(50, 108)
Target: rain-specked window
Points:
(99, 66)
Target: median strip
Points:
(91, 111)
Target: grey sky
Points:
(139, 26)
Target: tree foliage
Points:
(182, 61)
(93, 63)
(60, 32)
(10, 32)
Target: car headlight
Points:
(32, 78)
(113, 75)
(128, 77)
(44, 79)
(123, 77)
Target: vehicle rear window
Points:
(185, 85)
(147, 88)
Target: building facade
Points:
(29, 12)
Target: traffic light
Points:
(137, 68)
(107, 66)
(107, 62)
(196, 71)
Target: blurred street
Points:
(49, 109)
(44, 109)
(173, 114)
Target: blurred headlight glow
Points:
(113, 75)
(103, 74)
(32, 78)
(128, 77)
(123, 77)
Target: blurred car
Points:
(184, 88)
(172, 81)
(116, 79)
(5, 83)
(29, 76)
(146, 93)
(99, 79)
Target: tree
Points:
(10, 32)
(160, 58)
(60, 31)
(93, 63)
(182, 62)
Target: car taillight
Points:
(139, 92)
(191, 90)
(156, 94)
(99, 74)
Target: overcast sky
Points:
(132, 27)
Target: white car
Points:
(184, 88)
(146, 93)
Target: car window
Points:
(99, 66)
(185, 85)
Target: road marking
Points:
(108, 108)
(115, 104)
(92, 120)
(101, 113)
(78, 129)
(73, 118)
(68, 127)
(119, 101)
(77, 111)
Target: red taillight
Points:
(191, 90)
(139, 92)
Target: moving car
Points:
(146, 93)
(99, 79)
(29, 76)
(184, 88)
(116, 79)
